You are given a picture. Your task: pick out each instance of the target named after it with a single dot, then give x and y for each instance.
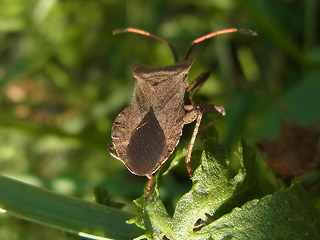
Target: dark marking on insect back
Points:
(146, 145)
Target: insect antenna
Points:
(143, 32)
(220, 32)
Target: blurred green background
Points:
(64, 78)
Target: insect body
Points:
(146, 133)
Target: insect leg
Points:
(194, 86)
(150, 177)
(195, 113)
(191, 143)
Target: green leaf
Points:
(64, 213)
(283, 215)
(205, 212)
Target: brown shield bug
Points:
(146, 132)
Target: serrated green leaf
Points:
(283, 215)
(198, 212)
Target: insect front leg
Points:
(193, 87)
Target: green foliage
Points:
(63, 213)
(202, 214)
(64, 77)
(218, 206)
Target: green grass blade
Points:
(64, 213)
